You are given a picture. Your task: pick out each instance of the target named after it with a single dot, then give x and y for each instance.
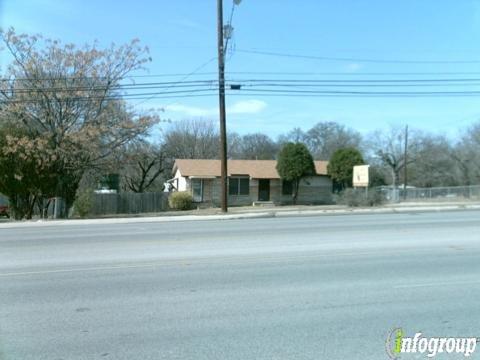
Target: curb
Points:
(390, 210)
(133, 220)
(259, 215)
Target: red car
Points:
(4, 211)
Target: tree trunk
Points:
(31, 206)
(296, 184)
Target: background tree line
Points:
(432, 159)
(64, 125)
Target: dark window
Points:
(287, 187)
(232, 186)
(244, 186)
(238, 186)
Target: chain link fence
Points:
(448, 193)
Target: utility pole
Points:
(221, 98)
(405, 165)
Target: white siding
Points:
(181, 181)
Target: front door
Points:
(264, 190)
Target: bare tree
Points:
(234, 142)
(192, 139)
(325, 138)
(142, 164)
(434, 164)
(257, 146)
(388, 147)
(296, 135)
(466, 154)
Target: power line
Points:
(260, 87)
(265, 92)
(364, 95)
(138, 96)
(328, 85)
(354, 74)
(183, 78)
(257, 82)
(284, 73)
(334, 92)
(291, 93)
(358, 80)
(143, 86)
(348, 59)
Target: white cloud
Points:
(247, 107)
(354, 67)
(238, 108)
(189, 110)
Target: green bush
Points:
(180, 200)
(82, 206)
(359, 197)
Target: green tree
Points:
(340, 166)
(294, 163)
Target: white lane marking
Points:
(433, 284)
(261, 257)
(42, 272)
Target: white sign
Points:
(360, 175)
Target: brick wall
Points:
(313, 190)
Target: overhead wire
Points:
(255, 87)
(182, 79)
(352, 59)
(257, 82)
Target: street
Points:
(318, 287)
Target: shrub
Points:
(83, 203)
(180, 200)
(358, 197)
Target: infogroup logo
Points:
(397, 343)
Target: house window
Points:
(239, 186)
(197, 190)
(287, 187)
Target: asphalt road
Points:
(326, 287)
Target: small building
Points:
(249, 181)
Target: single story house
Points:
(249, 181)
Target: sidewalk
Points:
(251, 212)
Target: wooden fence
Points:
(129, 203)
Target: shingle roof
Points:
(257, 169)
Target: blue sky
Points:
(181, 35)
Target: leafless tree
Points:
(434, 164)
(257, 146)
(295, 135)
(324, 138)
(388, 148)
(466, 154)
(191, 139)
(234, 143)
(142, 164)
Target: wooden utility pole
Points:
(405, 165)
(221, 98)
